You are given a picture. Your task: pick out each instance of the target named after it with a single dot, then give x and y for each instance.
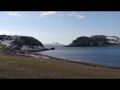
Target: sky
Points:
(59, 26)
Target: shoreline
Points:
(38, 55)
(39, 66)
(84, 63)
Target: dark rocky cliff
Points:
(21, 42)
(25, 40)
(97, 40)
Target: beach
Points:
(33, 66)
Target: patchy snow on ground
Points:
(113, 39)
(29, 48)
(6, 42)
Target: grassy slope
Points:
(12, 66)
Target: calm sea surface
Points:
(109, 56)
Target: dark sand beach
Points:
(34, 66)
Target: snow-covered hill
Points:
(21, 42)
(113, 39)
(110, 39)
(6, 40)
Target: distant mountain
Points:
(21, 42)
(96, 40)
(54, 43)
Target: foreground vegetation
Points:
(21, 67)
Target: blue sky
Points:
(59, 26)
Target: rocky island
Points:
(21, 43)
(96, 40)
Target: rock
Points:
(93, 41)
(21, 42)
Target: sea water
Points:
(109, 56)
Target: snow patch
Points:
(113, 39)
(6, 42)
(29, 48)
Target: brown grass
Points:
(20, 67)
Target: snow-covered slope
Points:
(36, 48)
(23, 42)
(113, 39)
(6, 42)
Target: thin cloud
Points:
(74, 14)
(47, 13)
(14, 14)
(80, 16)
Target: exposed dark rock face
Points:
(2, 37)
(25, 40)
(21, 42)
(81, 41)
